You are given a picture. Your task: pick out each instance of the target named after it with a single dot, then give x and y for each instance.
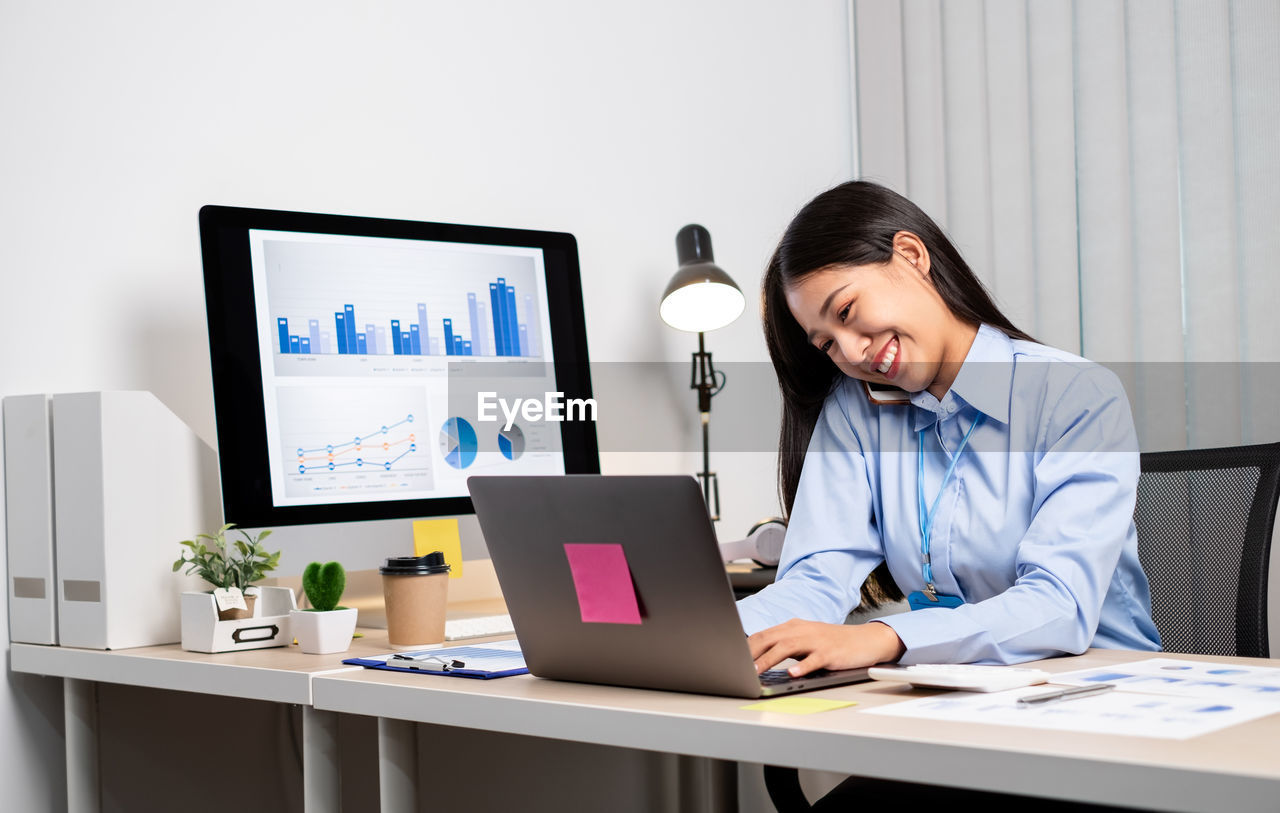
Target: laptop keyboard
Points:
(775, 677)
(772, 677)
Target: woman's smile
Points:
(886, 362)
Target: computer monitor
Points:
(348, 353)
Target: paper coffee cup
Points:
(416, 592)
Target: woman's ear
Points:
(912, 249)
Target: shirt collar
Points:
(985, 381)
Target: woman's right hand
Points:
(825, 646)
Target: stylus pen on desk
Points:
(429, 663)
(1065, 694)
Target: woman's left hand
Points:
(825, 646)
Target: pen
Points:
(431, 663)
(1065, 694)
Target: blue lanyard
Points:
(926, 517)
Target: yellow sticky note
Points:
(442, 535)
(799, 705)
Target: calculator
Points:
(965, 677)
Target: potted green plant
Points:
(325, 627)
(230, 566)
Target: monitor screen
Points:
(364, 368)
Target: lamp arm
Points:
(703, 379)
(704, 374)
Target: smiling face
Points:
(884, 323)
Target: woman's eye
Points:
(825, 346)
(844, 312)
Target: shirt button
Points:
(951, 408)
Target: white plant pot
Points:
(323, 633)
(269, 625)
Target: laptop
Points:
(689, 638)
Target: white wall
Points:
(617, 122)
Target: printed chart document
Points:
(1226, 682)
(1163, 698)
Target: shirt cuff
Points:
(931, 635)
(754, 618)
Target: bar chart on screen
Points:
(474, 333)
(385, 301)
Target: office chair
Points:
(1205, 520)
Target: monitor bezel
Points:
(236, 362)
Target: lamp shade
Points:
(700, 296)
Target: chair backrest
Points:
(1205, 519)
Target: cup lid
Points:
(415, 565)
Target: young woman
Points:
(997, 489)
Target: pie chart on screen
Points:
(458, 443)
(511, 442)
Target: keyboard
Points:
(776, 677)
(966, 677)
(456, 629)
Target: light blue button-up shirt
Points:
(1034, 530)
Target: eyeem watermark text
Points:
(552, 407)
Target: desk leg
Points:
(321, 771)
(708, 784)
(80, 706)
(397, 766)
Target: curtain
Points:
(1110, 171)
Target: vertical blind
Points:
(1111, 170)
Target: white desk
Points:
(277, 675)
(280, 675)
(1237, 768)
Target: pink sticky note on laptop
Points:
(603, 581)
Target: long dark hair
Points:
(852, 224)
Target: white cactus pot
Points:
(323, 633)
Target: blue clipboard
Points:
(480, 663)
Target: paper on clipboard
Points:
(499, 659)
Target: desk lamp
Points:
(699, 298)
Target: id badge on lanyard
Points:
(929, 597)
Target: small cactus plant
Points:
(324, 584)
